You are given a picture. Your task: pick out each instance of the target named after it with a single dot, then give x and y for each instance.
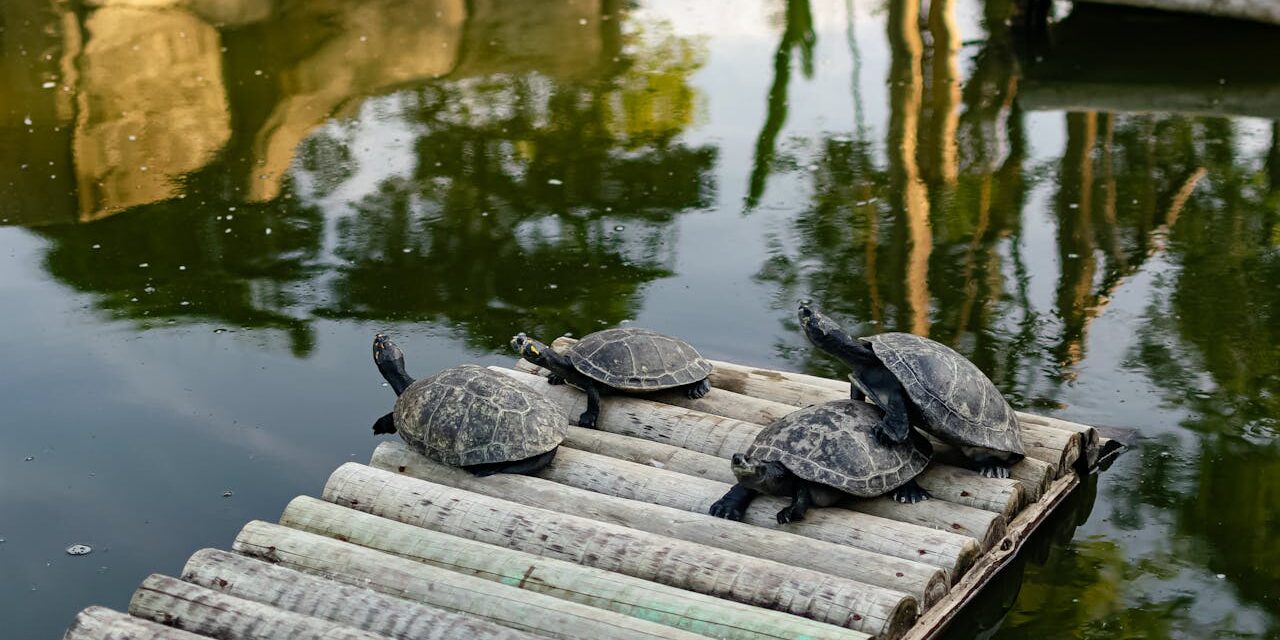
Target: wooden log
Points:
(717, 402)
(653, 500)
(945, 482)
(633, 481)
(927, 583)
(217, 615)
(721, 437)
(628, 416)
(800, 389)
(638, 598)
(100, 623)
(1055, 446)
(357, 607)
(677, 563)
(932, 623)
(1033, 475)
(509, 606)
(1090, 439)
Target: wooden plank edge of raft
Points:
(934, 621)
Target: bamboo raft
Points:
(613, 540)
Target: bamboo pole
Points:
(250, 579)
(638, 598)
(100, 623)
(952, 484)
(218, 615)
(677, 563)
(506, 605)
(654, 500)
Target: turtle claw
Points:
(727, 509)
(555, 379)
(698, 389)
(910, 493)
(588, 420)
(994, 471)
(790, 514)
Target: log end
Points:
(994, 533)
(900, 620)
(935, 589)
(968, 555)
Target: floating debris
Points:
(27, 121)
(79, 550)
(96, 246)
(48, 85)
(227, 494)
(29, 458)
(555, 182)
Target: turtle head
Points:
(822, 331)
(390, 361)
(530, 349)
(765, 477)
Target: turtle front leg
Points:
(734, 503)
(698, 389)
(910, 493)
(800, 502)
(592, 414)
(553, 378)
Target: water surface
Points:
(208, 213)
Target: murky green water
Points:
(209, 212)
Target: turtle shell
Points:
(634, 359)
(470, 415)
(834, 444)
(959, 403)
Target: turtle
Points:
(629, 359)
(469, 416)
(822, 454)
(918, 381)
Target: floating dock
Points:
(613, 540)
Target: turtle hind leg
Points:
(991, 463)
(801, 500)
(994, 470)
(385, 424)
(589, 417)
(734, 503)
(526, 466)
(698, 389)
(910, 493)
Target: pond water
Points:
(208, 212)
